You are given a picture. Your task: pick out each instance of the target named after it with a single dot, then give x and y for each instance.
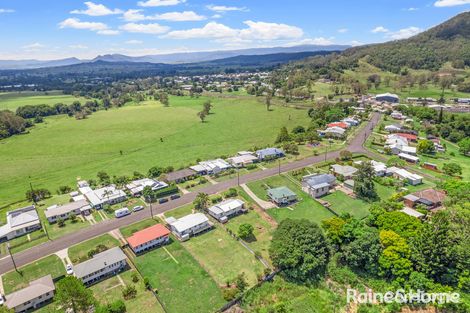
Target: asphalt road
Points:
(50, 247)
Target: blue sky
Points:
(50, 29)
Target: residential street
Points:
(37, 252)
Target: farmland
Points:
(135, 138)
(12, 100)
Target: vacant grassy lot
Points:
(80, 251)
(110, 290)
(223, 257)
(181, 282)
(13, 281)
(306, 207)
(135, 138)
(12, 100)
(342, 203)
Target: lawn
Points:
(79, 253)
(13, 281)
(131, 229)
(24, 242)
(110, 290)
(306, 207)
(135, 138)
(342, 203)
(180, 281)
(223, 257)
(13, 100)
(180, 212)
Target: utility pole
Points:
(238, 176)
(151, 209)
(12, 259)
(279, 166)
(36, 209)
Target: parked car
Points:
(2, 299)
(173, 197)
(138, 208)
(69, 269)
(122, 212)
(162, 200)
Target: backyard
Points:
(79, 253)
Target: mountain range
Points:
(171, 58)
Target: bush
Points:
(63, 190)
(216, 199)
(129, 292)
(135, 277)
(230, 294)
(117, 307)
(231, 193)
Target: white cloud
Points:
(412, 9)
(319, 41)
(152, 28)
(355, 43)
(6, 11)
(77, 24)
(94, 9)
(405, 33)
(450, 3)
(380, 29)
(108, 32)
(210, 30)
(223, 8)
(215, 16)
(137, 15)
(134, 42)
(134, 16)
(33, 46)
(159, 3)
(254, 31)
(343, 30)
(78, 46)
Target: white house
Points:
(317, 185)
(101, 265)
(226, 209)
(20, 222)
(211, 167)
(404, 175)
(243, 159)
(55, 212)
(350, 121)
(392, 128)
(106, 195)
(83, 187)
(39, 292)
(346, 171)
(137, 186)
(149, 238)
(189, 225)
(335, 131)
(408, 157)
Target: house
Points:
(387, 97)
(56, 212)
(398, 115)
(430, 198)
(20, 222)
(349, 183)
(342, 125)
(180, 176)
(335, 132)
(101, 265)
(38, 292)
(404, 175)
(269, 154)
(84, 187)
(226, 209)
(345, 171)
(408, 157)
(243, 159)
(106, 195)
(430, 166)
(408, 136)
(211, 167)
(392, 128)
(282, 196)
(317, 185)
(189, 225)
(412, 212)
(137, 186)
(408, 150)
(380, 169)
(149, 238)
(350, 121)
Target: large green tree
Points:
(300, 250)
(364, 186)
(72, 295)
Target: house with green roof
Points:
(282, 196)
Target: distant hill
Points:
(171, 58)
(447, 42)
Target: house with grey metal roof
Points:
(282, 195)
(345, 171)
(136, 187)
(269, 153)
(39, 292)
(106, 195)
(188, 225)
(20, 222)
(56, 212)
(317, 185)
(226, 209)
(101, 265)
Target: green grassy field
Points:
(13, 281)
(180, 281)
(81, 250)
(342, 203)
(58, 151)
(13, 100)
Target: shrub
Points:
(129, 292)
(117, 307)
(232, 192)
(230, 294)
(135, 277)
(63, 190)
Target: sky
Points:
(54, 29)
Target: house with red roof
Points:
(343, 125)
(149, 238)
(409, 137)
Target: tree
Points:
(155, 172)
(245, 231)
(345, 155)
(207, 106)
(202, 116)
(300, 250)
(268, 101)
(452, 169)
(129, 292)
(363, 253)
(201, 202)
(163, 98)
(241, 282)
(395, 259)
(103, 177)
(464, 146)
(283, 135)
(364, 186)
(37, 194)
(425, 147)
(72, 295)
(117, 306)
(395, 161)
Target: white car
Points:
(137, 208)
(69, 269)
(2, 300)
